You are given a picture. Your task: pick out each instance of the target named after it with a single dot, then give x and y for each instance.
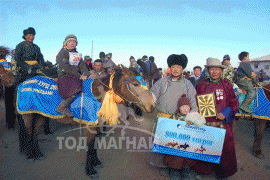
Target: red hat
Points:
(183, 101)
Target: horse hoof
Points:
(260, 156)
(98, 164)
(90, 171)
(30, 160)
(40, 158)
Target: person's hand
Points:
(253, 74)
(189, 123)
(83, 77)
(221, 116)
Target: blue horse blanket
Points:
(260, 106)
(40, 95)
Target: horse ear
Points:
(126, 71)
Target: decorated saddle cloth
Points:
(260, 105)
(40, 95)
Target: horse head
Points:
(130, 86)
(6, 77)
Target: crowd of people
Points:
(169, 89)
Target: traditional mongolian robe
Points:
(226, 103)
(26, 54)
(69, 82)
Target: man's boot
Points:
(245, 104)
(63, 107)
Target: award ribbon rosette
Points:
(75, 58)
(206, 104)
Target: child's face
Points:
(184, 109)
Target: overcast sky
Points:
(199, 29)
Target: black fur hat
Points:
(30, 30)
(175, 59)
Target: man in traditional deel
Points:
(226, 104)
(168, 89)
(72, 71)
(28, 56)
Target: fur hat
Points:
(175, 59)
(70, 37)
(183, 101)
(30, 30)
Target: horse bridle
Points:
(138, 102)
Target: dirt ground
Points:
(118, 163)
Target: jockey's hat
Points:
(175, 59)
(30, 30)
(226, 57)
(70, 37)
(214, 62)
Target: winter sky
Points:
(199, 29)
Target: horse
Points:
(124, 84)
(259, 120)
(184, 146)
(201, 150)
(7, 80)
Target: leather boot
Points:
(63, 107)
(245, 104)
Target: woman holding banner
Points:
(226, 104)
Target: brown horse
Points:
(7, 80)
(124, 85)
(259, 127)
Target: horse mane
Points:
(4, 51)
(144, 68)
(134, 70)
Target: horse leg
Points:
(92, 158)
(25, 135)
(46, 126)
(259, 129)
(36, 149)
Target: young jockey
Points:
(72, 69)
(245, 76)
